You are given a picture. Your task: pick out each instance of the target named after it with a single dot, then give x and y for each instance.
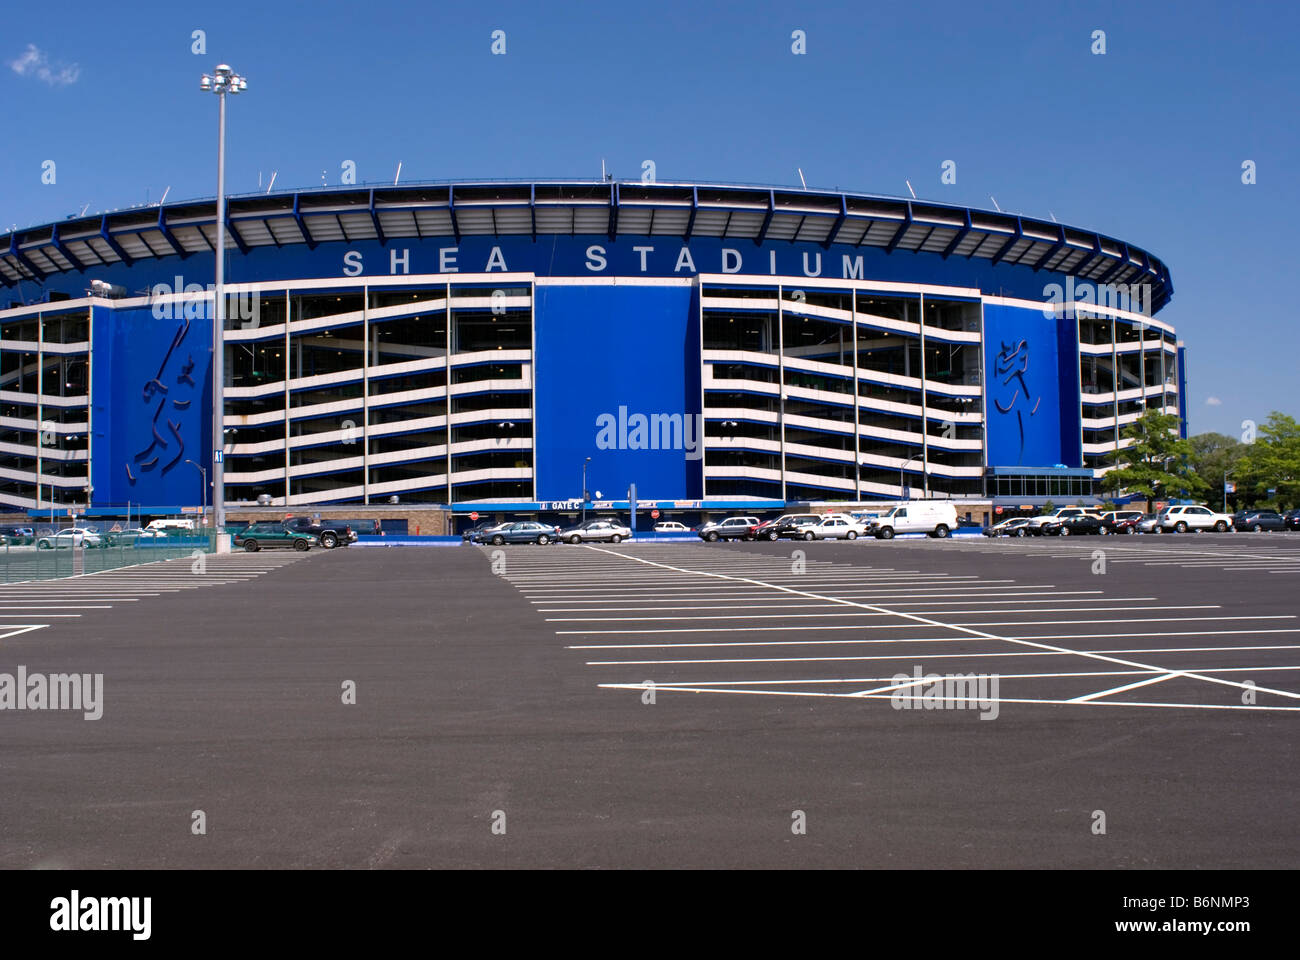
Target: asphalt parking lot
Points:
(660, 705)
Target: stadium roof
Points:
(576, 207)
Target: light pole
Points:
(1226, 475)
(204, 474)
(223, 80)
(900, 473)
(584, 490)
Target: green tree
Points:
(1215, 455)
(1272, 462)
(1156, 464)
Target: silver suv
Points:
(732, 528)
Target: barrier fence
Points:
(70, 556)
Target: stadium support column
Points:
(780, 381)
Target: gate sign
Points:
(654, 514)
(473, 515)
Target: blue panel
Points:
(1067, 352)
(151, 393)
(1024, 387)
(605, 357)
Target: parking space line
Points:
(1046, 648)
(1127, 686)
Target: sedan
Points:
(525, 531)
(610, 531)
(796, 525)
(1150, 523)
(482, 527)
(1015, 527)
(1070, 526)
(835, 528)
(767, 529)
(72, 537)
(1292, 519)
(272, 536)
(1257, 521)
(671, 526)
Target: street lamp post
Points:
(584, 490)
(900, 473)
(222, 81)
(204, 474)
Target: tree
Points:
(1214, 456)
(1272, 462)
(1155, 464)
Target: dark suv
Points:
(328, 533)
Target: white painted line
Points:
(20, 629)
(1004, 676)
(1089, 703)
(988, 636)
(1127, 686)
(971, 655)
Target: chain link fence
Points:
(48, 553)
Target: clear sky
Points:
(1145, 143)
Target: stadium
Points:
(493, 345)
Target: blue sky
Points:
(1144, 143)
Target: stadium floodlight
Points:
(223, 80)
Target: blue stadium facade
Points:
(475, 343)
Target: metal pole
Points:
(218, 334)
(584, 490)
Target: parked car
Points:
(767, 529)
(1014, 527)
(836, 527)
(1120, 521)
(1181, 518)
(271, 536)
(1150, 523)
(732, 528)
(71, 537)
(482, 526)
(1084, 523)
(1257, 521)
(795, 526)
(132, 535)
(330, 533)
(18, 536)
(603, 530)
(916, 516)
(1292, 518)
(671, 526)
(1060, 513)
(522, 531)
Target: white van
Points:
(165, 525)
(936, 519)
